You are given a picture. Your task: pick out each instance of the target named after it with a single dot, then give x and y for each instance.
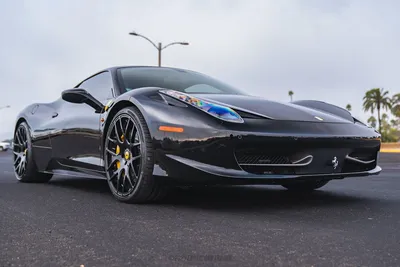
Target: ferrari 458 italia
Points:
(145, 129)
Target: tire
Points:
(25, 169)
(1, 148)
(305, 186)
(131, 181)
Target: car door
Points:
(78, 144)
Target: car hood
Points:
(272, 109)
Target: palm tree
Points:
(291, 95)
(396, 105)
(377, 98)
(372, 121)
(348, 107)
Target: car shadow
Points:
(83, 184)
(246, 198)
(232, 198)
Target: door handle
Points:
(55, 114)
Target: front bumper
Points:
(221, 172)
(265, 157)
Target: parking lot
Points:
(73, 222)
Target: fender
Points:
(138, 98)
(25, 115)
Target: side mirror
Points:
(80, 96)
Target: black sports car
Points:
(145, 129)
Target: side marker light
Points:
(171, 129)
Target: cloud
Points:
(328, 50)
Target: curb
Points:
(390, 150)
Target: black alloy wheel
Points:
(128, 158)
(20, 150)
(24, 166)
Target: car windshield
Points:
(130, 78)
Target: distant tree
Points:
(348, 107)
(396, 105)
(291, 95)
(388, 132)
(377, 98)
(372, 121)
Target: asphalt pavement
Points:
(75, 222)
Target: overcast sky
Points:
(330, 50)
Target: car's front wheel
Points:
(305, 185)
(129, 159)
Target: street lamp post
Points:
(159, 47)
(8, 106)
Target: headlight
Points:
(218, 111)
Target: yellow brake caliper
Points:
(117, 151)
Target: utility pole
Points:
(159, 54)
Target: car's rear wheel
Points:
(305, 185)
(129, 159)
(24, 165)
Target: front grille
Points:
(263, 163)
(260, 161)
(248, 158)
(305, 161)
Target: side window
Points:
(99, 86)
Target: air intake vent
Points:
(360, 160)
(254, 157)
(245, 159)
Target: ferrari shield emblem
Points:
(335, 163)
